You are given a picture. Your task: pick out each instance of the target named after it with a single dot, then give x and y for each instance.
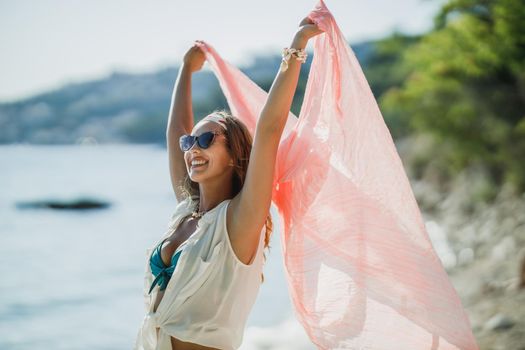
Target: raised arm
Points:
(181, 116)
(249, 209)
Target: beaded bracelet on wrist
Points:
(287, 53)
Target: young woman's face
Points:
(217, 160)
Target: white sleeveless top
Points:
(211, 292)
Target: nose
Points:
(194, 149)
(194, 144)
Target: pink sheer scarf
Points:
(361, 270)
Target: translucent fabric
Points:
(361, 270)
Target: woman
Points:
(204, 275)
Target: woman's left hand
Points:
(308, 29)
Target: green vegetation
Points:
(464, 84)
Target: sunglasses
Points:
(204, 140)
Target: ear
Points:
(231, 162)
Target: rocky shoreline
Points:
(484, 255)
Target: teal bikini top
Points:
(162, 272)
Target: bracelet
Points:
(299, 54)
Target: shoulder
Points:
(183, 207)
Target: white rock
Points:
(465, 256)
(503, 249)
(499, 322)
(440, 243)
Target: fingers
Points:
(306, 20)
(198, 44)
(314, 27)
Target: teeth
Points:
(198, 162)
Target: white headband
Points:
(215, 118)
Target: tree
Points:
(466, 86)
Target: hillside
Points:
(125, 107)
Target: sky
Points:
(45, 44)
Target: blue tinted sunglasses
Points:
(204, 140)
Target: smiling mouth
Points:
(199, 165)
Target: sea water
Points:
(73, 279)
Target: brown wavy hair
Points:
(239, 143)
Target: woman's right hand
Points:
(194, 57)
